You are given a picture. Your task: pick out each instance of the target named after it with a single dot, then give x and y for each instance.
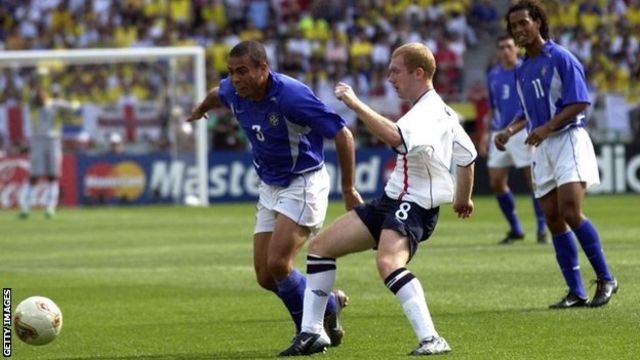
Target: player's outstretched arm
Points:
(462, 203)
(381, 127)
(503, 136)
(345, 149)
(211, 101)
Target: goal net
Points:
(131, 109)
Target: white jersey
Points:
(432, 139)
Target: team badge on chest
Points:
(273, 119)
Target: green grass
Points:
(178, 283)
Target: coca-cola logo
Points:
(14, 172)
(11, 168)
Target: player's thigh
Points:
(346, 235)
(498, 178)
(393, 252)
(552, 214)
(287, 239)
(261, 249)
(260, 258)
(570, 200)
(53, 158)
(38, 158)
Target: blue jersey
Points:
(548, 83)
(286, 128)
(503, 97)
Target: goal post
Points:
(119, 55)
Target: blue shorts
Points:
(404, 217)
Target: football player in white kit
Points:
(428, 138)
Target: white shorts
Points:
(564, 158)
(304, 201)
(45, 156)
(516, 153)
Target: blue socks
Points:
(542, 226)
(508, 207)
(567, 256)
(590, 241)
(291, 292)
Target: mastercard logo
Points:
(124, 180)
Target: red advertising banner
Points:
(14, 173)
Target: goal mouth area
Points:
(189, 59)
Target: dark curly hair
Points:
(536, 12)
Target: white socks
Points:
(321, 276)
(409, 292)
(51, 196)
(53, 192)
(25, 198)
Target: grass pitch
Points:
(177, 283)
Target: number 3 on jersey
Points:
(258, 130)
(403, 212)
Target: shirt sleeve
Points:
(413, 135)
(226, 92)
(464, 152)
(574, 85)
(302, 107)
(492, 101)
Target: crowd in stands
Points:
(319, 42)
(603, 35)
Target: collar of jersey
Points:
(273, 87)
(546, 48)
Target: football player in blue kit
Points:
(505, 106)
(552, 89)
(286, 125)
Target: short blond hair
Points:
(417, 55)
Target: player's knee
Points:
(386, 265)
(497, 186)
(278, 266)
(573, 218)
(265, 280)
(571, 214)
(318, 247)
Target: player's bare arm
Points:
(211, 101)
(381, 127)
(483, 139)
(503, 136)
(345, 150)
(567, 114)
(462, 203)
